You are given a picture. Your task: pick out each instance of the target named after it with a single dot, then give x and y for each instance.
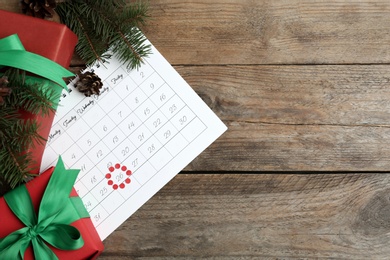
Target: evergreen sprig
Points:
(31, 96)
(107, 24)
(17, 134)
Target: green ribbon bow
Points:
(13, 54)
(56, 211)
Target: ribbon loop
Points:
(13, 54)
(56, 212)
(11, 42)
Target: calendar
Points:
(128, 142)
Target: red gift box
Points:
(48, 39)
(9, 223)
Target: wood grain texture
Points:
(295, 95)
(276, 216)
(270, 32)
(267, 32)
(12, 6)
(256, 147)
(302, 86)
(296, 118)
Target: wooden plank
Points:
(270, 32)
(12, 6)
(261, 147)
(297, 95)
(267, 32)
(294, 118)
(284, 216)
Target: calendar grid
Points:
(145, 127)
(97, 176)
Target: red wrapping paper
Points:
(9, 223)
(49, 39)
(52, 40)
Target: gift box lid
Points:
(52, 40)
(93, 246)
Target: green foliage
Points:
(17, 135)
(32, 97)
(103, 25)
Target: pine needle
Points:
(18, 135)
(107, 24)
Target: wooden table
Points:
(304, 87)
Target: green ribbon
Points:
(13, 54)
(52, 225)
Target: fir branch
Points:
(109, 5)
(90, 47)
(93, 50)
(24, 134)
(135, 14)
(113, 23)
(15, 136)
(129, 48)
(18, 135)
(15, 76)
(15, 167)
(33, 98)
(127, 41)
(36, 97)
(118, 39)
(101, 17)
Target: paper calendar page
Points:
(144, 128)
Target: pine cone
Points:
(4, 91)
(89, 83)
(43, 9)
